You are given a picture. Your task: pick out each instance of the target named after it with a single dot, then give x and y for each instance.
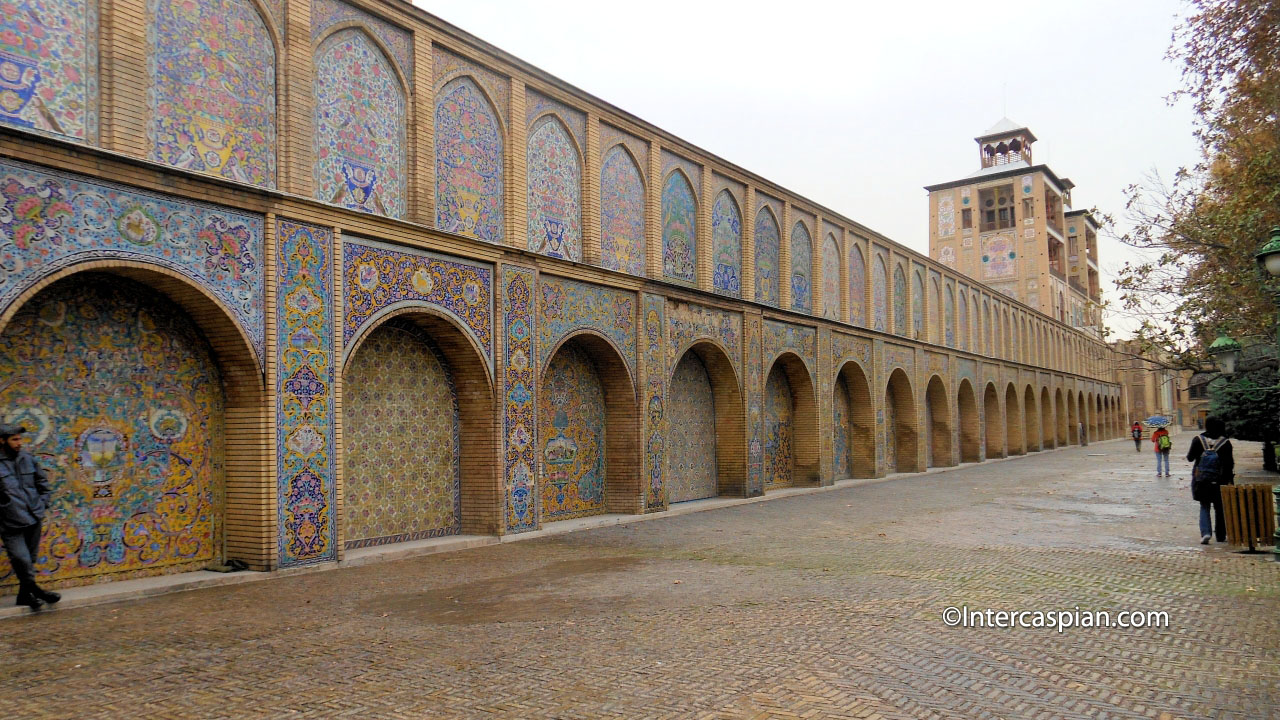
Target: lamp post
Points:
(1268, 257)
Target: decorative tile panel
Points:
(655, 369)
(687, 323)
(328, 14)
(519, 416)
(778, 337)
(611, 136)
(537, 105)
(768, 241)
(857, 286)
(469, 170)
(212, 94)
(801, 268)
(359, 145)
(831, 278)
(622, 212)
(679, 229)
(671, 161)
(779, 430)
(567, 306)
(377, 278)
(847, 347)
(726, 245)
(571, 429)
(49, 62)
(554, 174)
(755, 409)
(52, 220)
(879, 294)
(447, 66)
(897, 356)
(691, 452)
(305, 377)
(899, 301)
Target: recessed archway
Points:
(1084, 419)
(854, 424)
(791, 448)
(1048, 437)
(417, 397)
(700, 442)
(1060, 411)
(938, 424)
(1073, 427)
(900, 451)
(588, 432)
(970, 427)
(995, 431)
(1014, 428)
(1030, 420)
(148, 375)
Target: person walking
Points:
(1163, 444)
(1084, 440)
(24, 497)
(1213, 466)
(1135, 432)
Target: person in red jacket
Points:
(1163, 444)
(1135, 432)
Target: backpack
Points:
(1137, 434)
(1164, 443)
(1208, 470)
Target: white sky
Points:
(858, 105)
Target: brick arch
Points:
(1031, 420)
(249, 489)
(1060, 413)
(970, 427)
(613, 348)
(938, 410)
(862, 421)
(994, 444)
(1048, 437)
(371, 36)
(1015, 438)
(477, 418)
(623, 491)
(417, 307)
(731, 420)
(898, 392)
(804, 407)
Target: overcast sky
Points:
(858, 105)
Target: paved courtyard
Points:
(826, 605)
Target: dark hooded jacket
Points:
(26, 491)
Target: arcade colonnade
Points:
(348, 277)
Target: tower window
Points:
(996, 206)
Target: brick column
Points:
(702, 269)
(294, 123)
(517, 192)
(784, 259)
(123, 64)
(591, 193)
(748, 273)
(423, 181)
(653, 213)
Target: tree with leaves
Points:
(1201, 228)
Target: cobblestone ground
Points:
(819, 606)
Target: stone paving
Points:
(826, 605)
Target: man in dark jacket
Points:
(24, 496)
(1210, 493)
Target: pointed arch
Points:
(469, 148)
(554, 178)
(791, 447)
(857, 285)
(969, 423)
(938, 423)
(900, 301)
(1031, 420)
(768, 241)
(949, 314)
(361, 125)
(1015, 439)
(918, 329)
(700, 441)
(801, 267)
(212, 90)
(622, 215)
(994, 431)
(726, 245)
(831, 278)
(879, 292)
(854, 423)
(901, 449)
(679, 228)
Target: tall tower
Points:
(1010, 225)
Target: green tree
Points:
(1201, 227)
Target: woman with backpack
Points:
(1213, 467)
(1163, 444)
(1135, 432)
